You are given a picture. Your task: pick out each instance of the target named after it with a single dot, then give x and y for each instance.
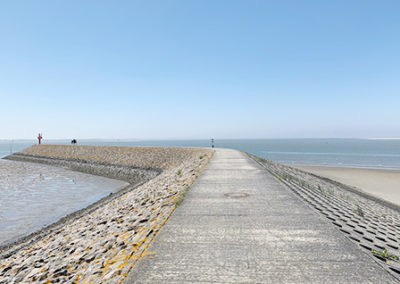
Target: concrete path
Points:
(238, 224)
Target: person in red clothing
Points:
(40, 138)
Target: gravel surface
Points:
(103, 243)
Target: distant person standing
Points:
(212, 143)
(40, 138)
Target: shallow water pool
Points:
(33, 196)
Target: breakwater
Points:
(102, 243)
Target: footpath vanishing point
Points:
(239, 224)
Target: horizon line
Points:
(191, 139)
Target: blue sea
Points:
(360, 153)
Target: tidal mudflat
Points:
(35, 195)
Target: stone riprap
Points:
(371, 223)
(131, 174)
(104, 243)
(144, 157)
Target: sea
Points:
(33, 196)
(358, 153)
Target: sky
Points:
(198, 69)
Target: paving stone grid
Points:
(372, 226)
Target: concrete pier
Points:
(238, 224)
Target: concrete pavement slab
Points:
(238, 224)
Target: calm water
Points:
(329, 152)
(34, 195)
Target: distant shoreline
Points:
(395, 138)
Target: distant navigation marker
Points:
(40, 138)
(11, 146)
(212, 143)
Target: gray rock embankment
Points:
(104, 244)
(131, 174)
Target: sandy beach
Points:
(384, 184)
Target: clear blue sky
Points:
(199, 69)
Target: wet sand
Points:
(384, 184)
